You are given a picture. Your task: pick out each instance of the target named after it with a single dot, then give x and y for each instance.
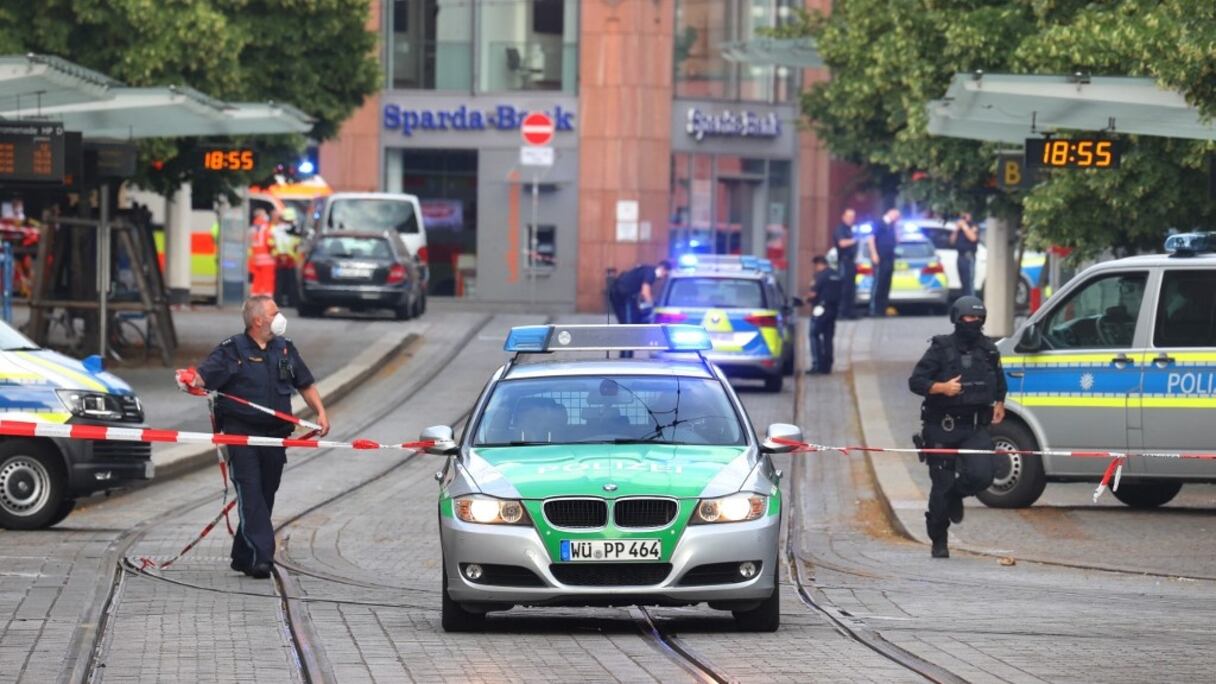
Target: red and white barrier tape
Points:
(17, 428)
(1110, 477)
(265, 409)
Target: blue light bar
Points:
(540, 339)
(764, 265)
(749, 262)
(1187, 244)
(688, 260)
(528, 338)
(687, 338)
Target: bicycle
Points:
(126, 343)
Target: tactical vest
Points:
(977, 366)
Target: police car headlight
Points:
(490, 511)
(733, 508)
(92, 405)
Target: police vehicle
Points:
(1121, 358)
(602, 482)
(919, 277)
(742, 305)
(41, 478)
(939, 234)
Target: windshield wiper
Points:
(643, 440)
(513, 443)
(22, 348)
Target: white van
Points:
(1122, 358)
(376, 212)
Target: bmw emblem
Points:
(715, 319)
(563, 337)
(609, 487)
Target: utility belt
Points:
(945, 426)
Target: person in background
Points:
(846, 257)
(882, 256)
(632, 294)
(825, 302)
(966, 240)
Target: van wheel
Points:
(765, 617)
(33, 485)
(1020, 479)
(65, 509)
(454, 617)
(773, 383)
(1147, 494)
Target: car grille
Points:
(715, 573)
(126, 451)
(132, 412)
(644, 512)
(577, 512)
(610, 574)
(506, 576)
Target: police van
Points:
(41, 478)
(1121, 358)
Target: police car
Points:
(742, 305)
(919, 277)
(591, 482)
(1121, 358)
(939, 234)
(41, 478)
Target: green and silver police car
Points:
(582, 480)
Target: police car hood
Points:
(49, 368)
(538, 472)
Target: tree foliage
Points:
(314, 54)
(890, 57)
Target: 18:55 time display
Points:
(1077, 153)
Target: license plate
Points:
(353, 273)
(369, 295)
(611, 549)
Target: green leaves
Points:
(314, 54)
(889, 58)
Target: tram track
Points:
(96, 625)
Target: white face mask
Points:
(278, 325)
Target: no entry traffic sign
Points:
(537, 128)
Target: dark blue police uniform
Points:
(267, 377)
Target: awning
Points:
(1011, 108)
(801, 53)
(99, 107)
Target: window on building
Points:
(702, 27)
(445, 182)
(528, 45)
(430, 44)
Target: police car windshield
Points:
(609, 410)
(716, 293)
(11, 340)
(918, 249)
(373, 215)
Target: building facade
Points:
(664, 144)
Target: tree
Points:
(314, 54)
(888, 58)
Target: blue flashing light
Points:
(528, 338)
(694, 243)
(765, 265)
(1187, 244)
(687, 338)
(865, 228)
(94, 364)
(306, 166)
(688, 260)
(749, 262)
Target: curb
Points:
(177, 461)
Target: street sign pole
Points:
(532, 242)
(537, 131)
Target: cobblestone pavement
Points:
(1176, 539)
(366, 567)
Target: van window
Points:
(1100, 315)
(372, 215)
(1186, 310)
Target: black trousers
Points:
(957, 476)
(848, 287)
(823, 334)
(256, 472)
(880, 296)
(627, 312)
(966, 272)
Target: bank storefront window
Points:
(430, 44)
(703, 27)
(528, 45)
(445, 182)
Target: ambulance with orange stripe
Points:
(1122, 358)
(743, 306)
(41, 478)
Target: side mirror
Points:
(1031, 340)
(441, 435)
(784, 432)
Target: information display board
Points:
(31, 152)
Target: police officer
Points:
(825, 300)
(632, 294)
(264, 367)
(961, 379)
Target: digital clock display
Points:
(1077, 153)
(229, 159)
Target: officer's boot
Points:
(938, 534)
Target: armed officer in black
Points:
(961, 379)
(262, 366)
